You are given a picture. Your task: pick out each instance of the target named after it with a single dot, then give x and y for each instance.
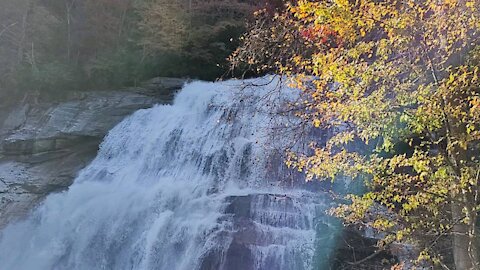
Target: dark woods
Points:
(52, 46)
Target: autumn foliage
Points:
(400, 78)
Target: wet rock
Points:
(44, 144)
(263, 227)
(239, 257)
(163, 85)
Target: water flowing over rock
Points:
(199, 184)
(43, 144)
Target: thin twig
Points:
(6, 28)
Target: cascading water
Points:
(197, 185)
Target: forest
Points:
(394, 83)
(54, 45)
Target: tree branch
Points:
(6, 28)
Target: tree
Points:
(54, 45)
(192, 27)
(48, 46)
(401, 77)
(15, 18)
(26, 27)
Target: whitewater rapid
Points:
(196, 185)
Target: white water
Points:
(166, 191)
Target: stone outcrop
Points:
(269, 225)
(43, 145)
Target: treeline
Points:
(58, 45)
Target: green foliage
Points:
(196, 34)
(117, 68)
(190, 27)
(59, 45)
(52, 78)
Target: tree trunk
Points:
(464, 199)
(24, 30)
(465, 251)
(67, 11)
(69, 5)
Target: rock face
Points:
(43, 145)
(265, 227)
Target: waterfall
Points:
(197, 185)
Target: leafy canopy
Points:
(389, 74)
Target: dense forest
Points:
(57, 45)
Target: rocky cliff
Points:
(43, 145)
